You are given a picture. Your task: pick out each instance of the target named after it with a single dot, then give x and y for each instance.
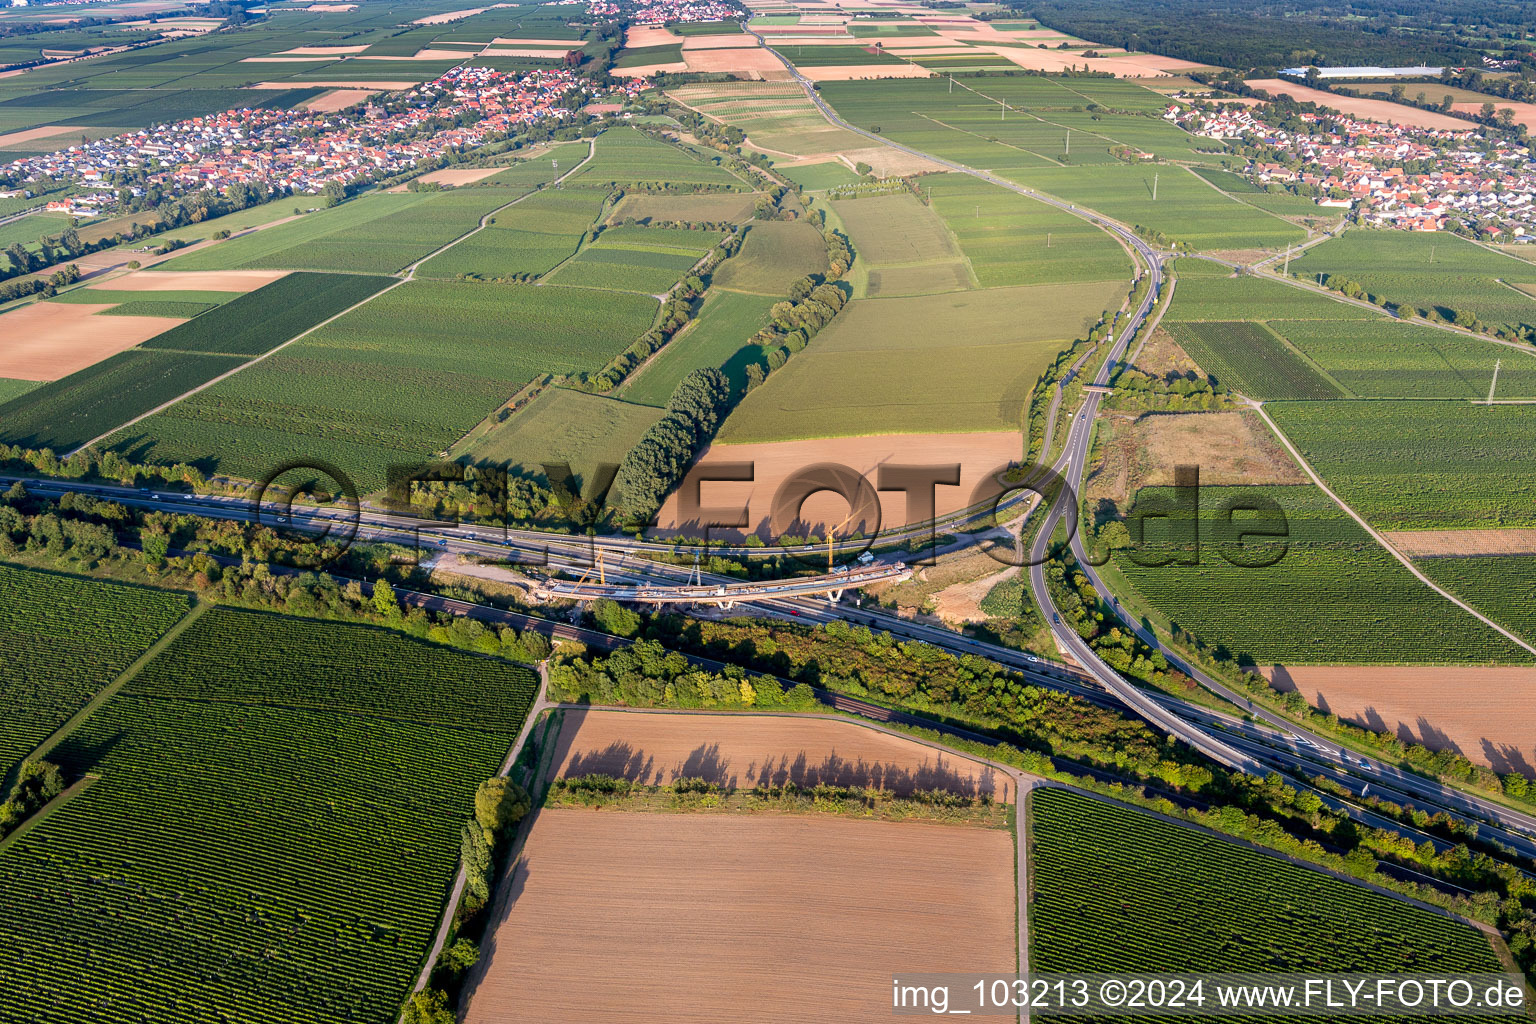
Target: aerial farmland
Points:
(702, 510)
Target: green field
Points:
(535, 170)
(963, 361)
(1397, 265)
(641, 56)
(1249, 358)
(732, 207)
(832, 56)
(626, 156)
(1421, 465)
(1333, 596)
(91, 296)
(1028, 143)
(372, 389)
(718, 337)
(62, 638)
(160, 307)
(628, 270)
(774, 256)
(562, 425)
(271, 838)
(260, 320)
(1117, 888)
(1253, 298)
(813, 177)
(1184, 208)
(30, 228)
(777, 116)
(895, 228)
(1502, 588)
(532, 237)
(66, 413)
(11, 388)
(377, 234)
(1011, 239)
(635, 259)
(1385, 358)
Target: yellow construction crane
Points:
(831, 537)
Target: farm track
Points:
(126, 676)
(405, 276)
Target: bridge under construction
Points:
(724, 595)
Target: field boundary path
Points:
(79, 786)
(405, 276)
(124, 677)
(539, 706)
(1380, 538)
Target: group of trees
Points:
(794, 322)
(1091, 617)
(654, 466)
(1172, 392)
(92, 465)
(676, 313)
(37, 782)
(48, 286)
(648, 675)
(168, 215)
(1352, 289)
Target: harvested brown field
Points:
(331, 8)
(1487, 713)
(450, 16)
(743, 751)
(754, 60)
(1369, 109)
(1231, 448)
(887, 162)
(338, 99)
(650, 35)
(978, 455)
(15, 139)
(647, 70)
(459, 175)
(49, 340)
(1464, 543)
(1134, 65)
(192, 281)
(712, 918)
(427, 54)
(860, 72)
